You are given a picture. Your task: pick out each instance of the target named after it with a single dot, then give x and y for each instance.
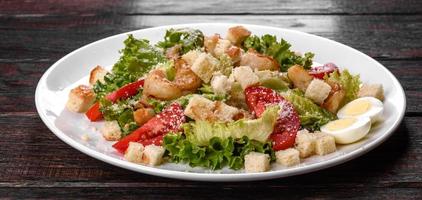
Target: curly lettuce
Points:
(187, 38)
(311, 116)
(218, 154)
(348, 82)
(279, 50)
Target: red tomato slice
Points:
(170, 119)
(94, 113)
(126, 91)
(284, 134)
(320, 71)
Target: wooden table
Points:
(34, 34)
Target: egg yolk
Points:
(340, 124)
(357, 108)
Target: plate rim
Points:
(213, 176)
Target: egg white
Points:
(350, 134)
(375, 112)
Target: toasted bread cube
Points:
(299, 76)
(210, 42)
(191, 56)
(318, 91)
(199, 108)
(372, 90)
(220, 84)
(333, 101)
(134, 152)
(224, 112)
(324, 143)
(237, 34)
(257, 162)
(204, 67)
(305, 143)
(111, 131)
(221, 47)
(245, 76)
(153, 155)
(97, 74)
(80, 99)
(287, 157)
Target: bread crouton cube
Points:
(199, 108)
(257, 162)
(80, 99)
(324, 143)
(134, 152)
(210, 42)
(237, 34)
(111, 131)
(153, 155)
(318, 91)
(224, 112)
(220, 84)
(372, 90)
(191, 56)
(204, 66)
(305, 143)
(97, 74)
(245, 76)
(288, 157)
(221, 47)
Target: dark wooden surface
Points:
(34, 34)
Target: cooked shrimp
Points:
(185, 78)
(237, 34)
(211, 42)
(142, 115)
(259, 61)
(157, 85)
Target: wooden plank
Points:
(50, 38)
(31, 151)
(80, 7)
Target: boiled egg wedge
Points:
(363, 107)
(348, 130)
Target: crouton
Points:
(204, 66)
(324, 143)
(111, 131)
(305, 143)
(288, 157)
(191, 56)
(237, 34)
(318, 91)
(201, 108)
(220, 84)
(211, 42)
(372, 90)
(142, 115)
(134, 152)
(224, 112)
(259, 62)
(257, 162)
(299, 76)
(334, 101)
(221, 47)
(80, 99)
(153, 155)
(97, 74)
(245, 76)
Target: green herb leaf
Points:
(187, 38)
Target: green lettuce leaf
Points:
(200, 132)
(219, 153)
(187, 38)
(311, 116)
(207, 92)
(348, 82)
(279, 50)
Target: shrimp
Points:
(185, 81)
(185, 78)
(259, 61)
(157, 85)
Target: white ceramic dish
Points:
(73, 69)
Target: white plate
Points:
(74, 68)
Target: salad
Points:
(241, 101)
